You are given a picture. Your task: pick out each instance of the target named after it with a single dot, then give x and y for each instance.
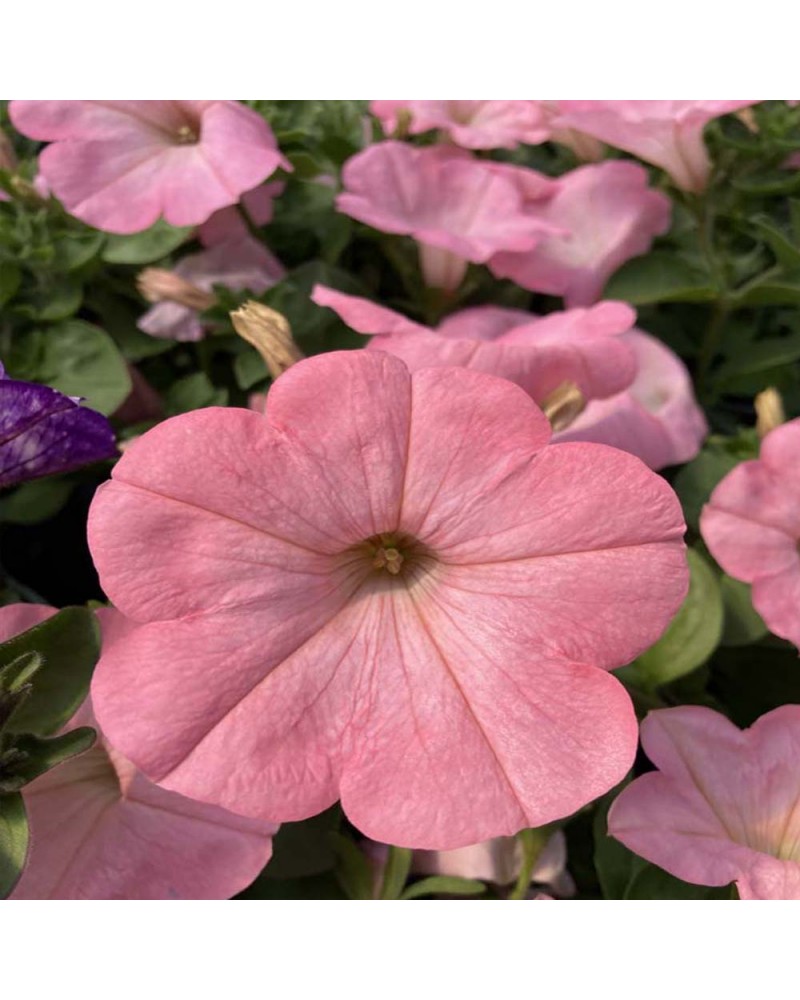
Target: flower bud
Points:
(157, 284)
(769, 411)
(563, 405)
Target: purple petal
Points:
(43, 432)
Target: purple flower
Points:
(42, 432)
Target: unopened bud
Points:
(748, 119)
(769, 411)
(269, 332)
(563, 405)
(156, 284)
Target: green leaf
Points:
(660, 277)
(445, 885)
(82, 360)
(15, 684)
(143, 248)
(760, 355)
(35, 501)
(77, 249)
(69, 643)
(743, 624)
(39, 754)
(696, 481)
(353, 870)
(773, 288)
(654, 883)
(56, 301)
(787, 253)
(249, 369)
(10, 277)
(395, 872)
(615, 865)
(192, 393)
(13, 841)
(693, 634)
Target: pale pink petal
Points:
(656, 418)
(228, 224)
(777, 599)
(723, 805)
(362, 315)
(610, 215)
(472, 124)
(666, 133)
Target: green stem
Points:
(710, 345)
(532, 842)
(713, 334)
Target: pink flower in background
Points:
(656, 418)
(472, 124)
(537, 353)
(227, 224)
(377, 591)
(585, 147)
(723, 805)
(603, 215)
(751, 525)
(101, 830)
(499, 861)
(668, 134)
(243, 263)
(456, 208)
(120, 165)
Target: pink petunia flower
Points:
(539, 354)
(471, 124)
(751, 525)
(603, 215)
(668, 134)
(723, 805)
(120, 165)
(656, 418)
(585, 147)
(243, 263)
(101, 830)
(377, 591)
(457, 209)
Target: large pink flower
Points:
(241, 263)
(101, 830)
(751, 525)
(119, 165)
(657, 417)
(472, 124)
(386, 589)
(457, 209)
(723, 805)
(666, 133)
(538, 353)
(603, 215)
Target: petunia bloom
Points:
(242, 263)
(457, 209)
(471, 124)
(120, 165)
(722, 806)
(582, 346)
(751, 525)
(656, 418)
(668, 134)
(377, 591)
(101, 830)
(603, 214)
(44, 432)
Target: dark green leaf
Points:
(69, 643)
(10, 277)
(743, 624)
(660, 277)
(353, 870)
(13, 841)
(616, 866)
(35, 501)
(302, 849)
(82, 360)
(249, 369)
(192, 393)
(696, 481)
(145, 247)
(654, 883)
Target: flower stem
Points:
(532, 843)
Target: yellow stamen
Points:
(389, 559)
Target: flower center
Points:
(186, 135)
(393, 555)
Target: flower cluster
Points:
(410, 577)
